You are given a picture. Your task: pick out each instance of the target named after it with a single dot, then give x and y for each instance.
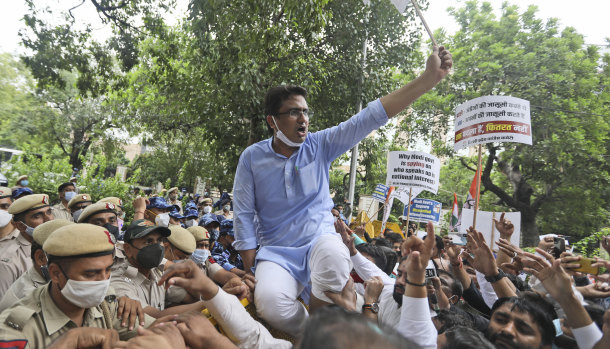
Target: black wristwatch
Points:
(492, 279)
(374, 307)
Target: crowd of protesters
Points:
(277, 264)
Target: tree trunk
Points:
(529, 229)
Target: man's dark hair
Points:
(538, 308)
(450, 319)
(391, 257)
(461, 337)
(64, 186)
(439, 242)
(456, 288)
(381, 242)
(333, 328)
(374, 251)
(277, 95)
(393, 237)
(521, 285)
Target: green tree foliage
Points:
(560, 183)
(209, 76)
(46, 172)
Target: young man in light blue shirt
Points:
(282, 201)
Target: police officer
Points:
(157, 211)
(224, 253)
(137, 276)
(78, 204)
(38, 274)
(102, 214)
(172, 198)
(7, 229)
(66, 192)
(118, 203)
(77, 296)
(15, 258)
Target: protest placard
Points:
(402, 194)
(413, 169)
(486, 225)
(490, 119)
(380, 193)
(424, 210)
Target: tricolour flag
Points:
(470, 200)
(387, 207)
(455, 216)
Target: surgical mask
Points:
(340, 211)
(85, 294)
(191, 223)
(76, 214)
(226, 207)
(25, 182)
(114, 230)
(150, 256)
(207, 209)
(28, 230)
(121, 221)
(200, 255)
(162, 220)
(69, 195)
(5, 218)
(282, 137)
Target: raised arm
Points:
(437, 67)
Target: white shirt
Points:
(239, 326)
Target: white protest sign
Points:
(490, 119)
(402, 194)
(486, 225)
(413, 169)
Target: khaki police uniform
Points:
(7, 240)
(38, 320)
(15, 256)
(61, 212)
(177, 202)
(31, 279)
(26, 283)
(127, 280)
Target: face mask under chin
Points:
(282, 137)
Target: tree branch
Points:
(486, 180)
(467, 166)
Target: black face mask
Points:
(45, 272)
(150, 256)
(114, 230)
(399, 291)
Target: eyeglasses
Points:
(296, 112)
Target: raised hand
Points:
(346, 236)
(483, 260)
(549, 271)
(505, 227)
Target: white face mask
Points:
(207, 209)
(162, 220)
(200, 255)
(282, 137)
(226, 207)
(85, 294)
(5, 218)
(191, 223)
(69, 195)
